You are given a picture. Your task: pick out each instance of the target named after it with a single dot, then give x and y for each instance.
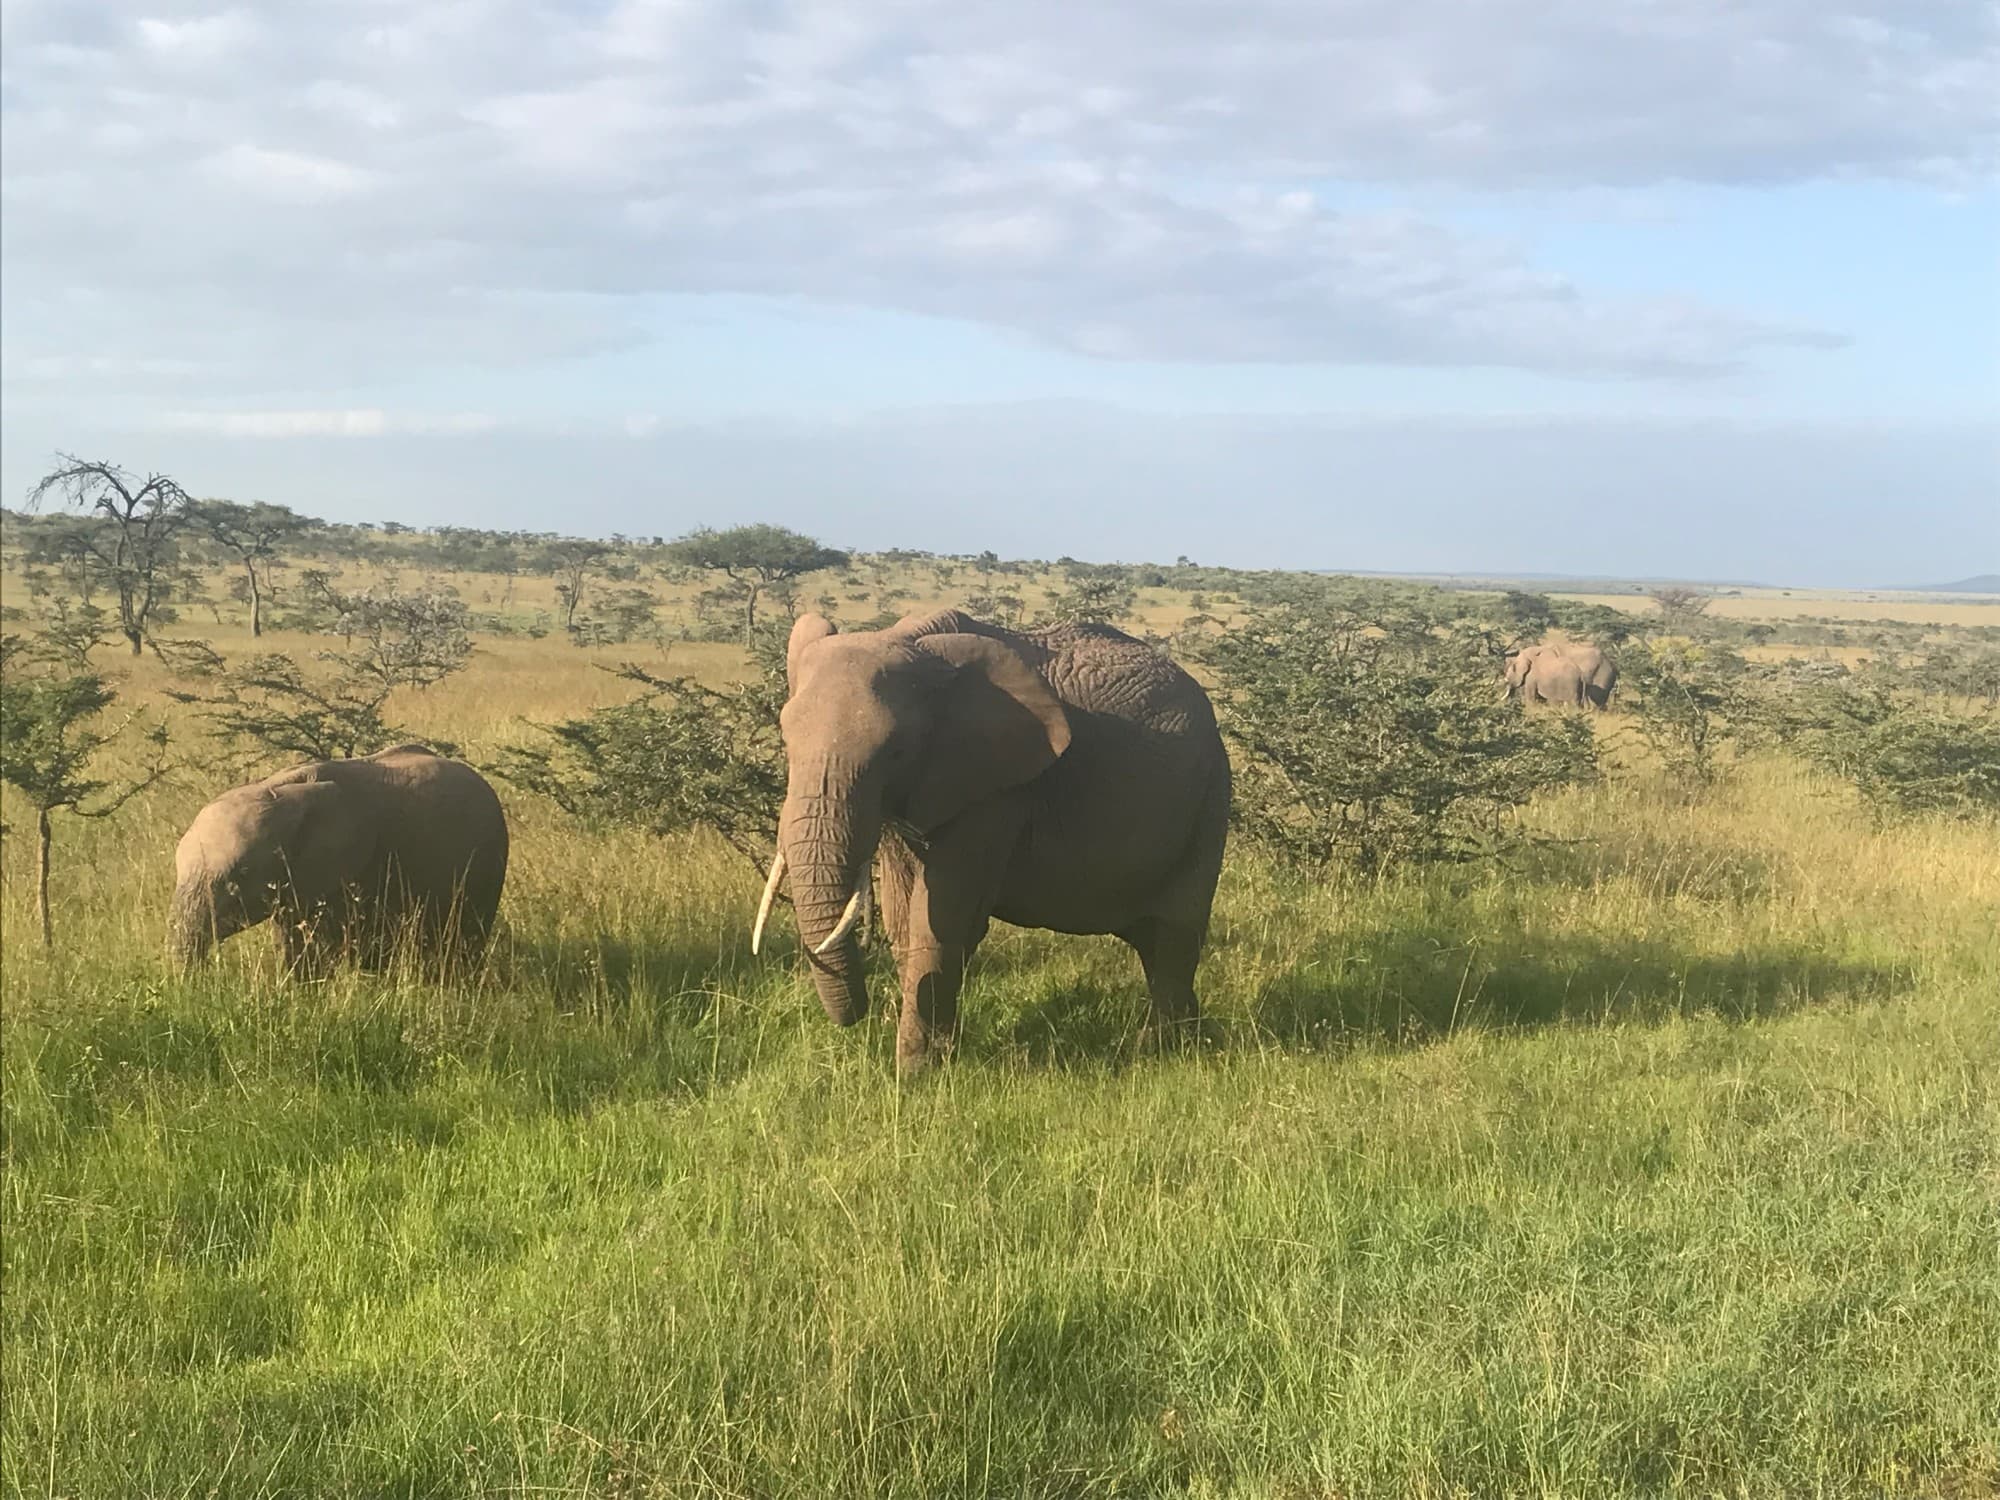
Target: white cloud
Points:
(291, 176)
(373, 187)
(198, 39)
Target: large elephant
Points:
(347, 857)
(1070, 779)
(1541, 674)
(1599, 673)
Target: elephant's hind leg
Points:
(1170, 951)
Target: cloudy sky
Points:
(1693, 287)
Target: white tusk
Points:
(851, 915)
(770, 895)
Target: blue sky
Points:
(1706, 289)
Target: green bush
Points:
(1906, 749)
(684, 756)
(1373, 732)
(1924, 758)
(1688, 697)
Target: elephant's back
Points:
(447, 827)
(1104, 671)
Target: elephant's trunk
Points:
(191, 925)
(826, 836)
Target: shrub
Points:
(1922, 758)
(1373, 733)
(1904, 752)
(1095, 594)
(1687, 698)
(684, 756)
(271, 704)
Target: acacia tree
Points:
(64, 544)
(1101, 594)
(49, 737)
(254, 534)
(137, 545)
(571, 563)
(1681, 606)
(754, 558)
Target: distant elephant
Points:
(1543, 674)
(1070, 779)
(1598, 671)
(346, 857)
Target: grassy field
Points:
(1664, 1162)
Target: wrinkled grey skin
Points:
(345, 858)
(1599, 673)
(1071, 780)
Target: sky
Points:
(1648, 288)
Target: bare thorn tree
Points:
(137, 546)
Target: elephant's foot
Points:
(927, 1030)
(919, 1054)
(1175, 1031)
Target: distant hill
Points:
(1979, 583)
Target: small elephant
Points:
(1599, 672)
(1070, 779)
(1539, 674)
(346, 857)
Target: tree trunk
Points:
(138, 640)
(256, 605)
(42, 874)
(750, 615)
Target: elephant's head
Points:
(1519, 663)
(258, 848)
(891, 725)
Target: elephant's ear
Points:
(807, 630)
(327, 840)
(997, 725)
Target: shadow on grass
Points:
(1412, 986)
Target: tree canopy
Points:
(754, 558)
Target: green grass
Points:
(1667, 1162)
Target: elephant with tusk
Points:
(346, 858)
(1070, 779)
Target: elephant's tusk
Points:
(851, 915)
(770, 895)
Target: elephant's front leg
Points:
(936, 905)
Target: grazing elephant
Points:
(347, 856)
(1598, 671)
(1543, 674)
(1070, 779)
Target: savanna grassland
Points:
(1662, 1157)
